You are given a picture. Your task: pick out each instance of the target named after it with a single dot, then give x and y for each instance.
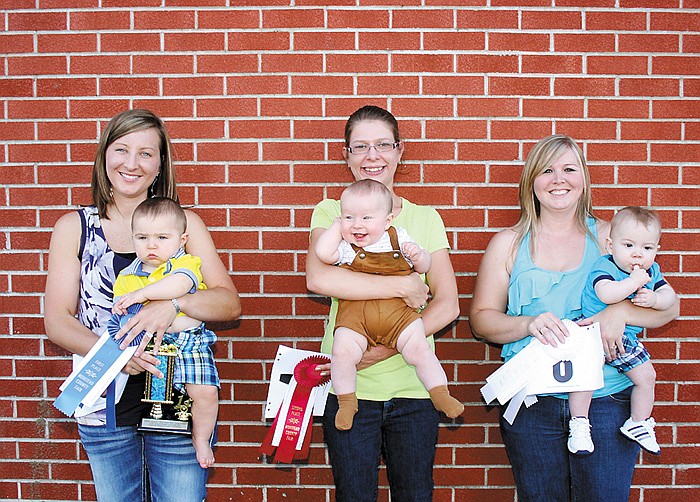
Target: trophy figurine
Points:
(159, 391)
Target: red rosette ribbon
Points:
(293, 432)
(305, 372)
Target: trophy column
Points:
(159, 391)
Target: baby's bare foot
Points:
(205, 455)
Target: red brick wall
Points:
(255, 95)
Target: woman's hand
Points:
(548, 329)
(154, 318)
(415, 291)
(612, 327)
(145, 362)
(324, 369)
(374, 355)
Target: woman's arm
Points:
(63, 287)
(61, 299)
(220, 301)
(487, 315)
(338, 282)
(614, 318)
(443, 308)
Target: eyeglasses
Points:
(362, 149)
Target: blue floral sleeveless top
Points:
(99, 266)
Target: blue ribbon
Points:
(111, 406)
(69, 400)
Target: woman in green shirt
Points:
(395, 416)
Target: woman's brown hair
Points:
(122, 124)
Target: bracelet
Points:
(176, 304)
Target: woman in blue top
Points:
(531, 277)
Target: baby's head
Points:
(159, 230)
(634, 238)
(365, 212)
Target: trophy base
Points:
(165, 426)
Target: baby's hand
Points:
(644, 298)
(411, 250)
(126, 300)
(639, 276)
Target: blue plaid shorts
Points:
(195, 360)
(635, 354)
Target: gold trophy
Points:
(159, 391)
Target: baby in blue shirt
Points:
(629, 271)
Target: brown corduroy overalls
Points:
(380, 321)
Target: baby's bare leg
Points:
(642, 399)
(415, 349)
(579, 402)
(205, 407)
(348, 347)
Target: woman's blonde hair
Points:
(545, 153)
(122, 124)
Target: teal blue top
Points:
(533, 290)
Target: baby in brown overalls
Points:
(363, 240)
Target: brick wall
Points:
(255, 95)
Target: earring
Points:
(152, 188)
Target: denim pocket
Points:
(622, 397)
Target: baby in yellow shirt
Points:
(162, 271)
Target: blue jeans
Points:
(403, 431)
(545, 470)
(118, 459)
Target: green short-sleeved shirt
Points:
(393, 377)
